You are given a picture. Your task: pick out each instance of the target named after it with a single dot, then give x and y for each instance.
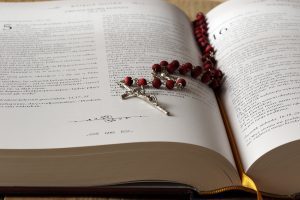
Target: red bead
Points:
(189, 66)
(199, 23)
(208, 49)
(181, 82)
(207, 65)
(200, 30)
(156, 68)
(206, 77)
(204, 44)
(128, 80)
(197, 30)
(156, 83)
(202, 39)
(141, 82)
(200, 16)
(175, 63)
(218, 73)
(170, 84)
(207, 57)
(171, 68)
(204, 26)
(163, 63)
(185, 68)
(196, 72)
(199, 35)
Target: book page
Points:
(257, 46)
(62, 64)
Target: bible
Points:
(64, 124)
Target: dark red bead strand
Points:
(209, 75)
(205, 74)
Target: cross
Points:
(139, 92)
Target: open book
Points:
(65, 125)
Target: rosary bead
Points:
(181, 81)
(175, 63)
(202, 39)
(128, 81)
(163, 63)
(185, 68)
(196, 72)
(156, 83)
(207, 57)
(199, 35)
(206, 77)
(182, 71)
(201, 31)
(207, 65)
(208, 49)
(204, 26)
(170, 84)
(218, 74)
(203, 44)
(189, 66)
(171, 68)
(200, 17)
(141, 82)
(156, 68)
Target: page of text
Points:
(60, 64)
(258, 47)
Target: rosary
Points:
(168, 74)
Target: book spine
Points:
(200, 28)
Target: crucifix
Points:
(140, 93)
